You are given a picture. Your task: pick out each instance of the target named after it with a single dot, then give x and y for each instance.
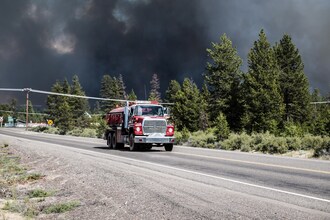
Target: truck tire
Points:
(115, 144)
(114, 141)
(132, 146)
(109, 140)
(168, 147)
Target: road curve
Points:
(289, 187)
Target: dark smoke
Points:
(45, 40)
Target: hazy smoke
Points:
(44, 40)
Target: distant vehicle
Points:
(140, 125)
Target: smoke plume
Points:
(45, 40)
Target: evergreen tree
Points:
(186, 110)
(263, 102)
(293, 82)
(78, 105)
(155, 86)
(121, 88)
(54, 100)
(107, 91)
(223, 78)
(97, 108)
(132, 96)
(65, 118)
(173, 88)
(320, 115)
(58, 107)
(204, 122)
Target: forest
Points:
(268, 108)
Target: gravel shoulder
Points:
(108, 189)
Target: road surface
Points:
(217, 183)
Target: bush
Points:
(83, 132)
(52, 130)
(89, 132)
(237, 142)
(292, 130)
(61, 207)
(203, 139)
(294, 143)
(268, 143)
(181, 136)
(323, 150)
(75, 132)
(102, 126)
(221, 127)
(311, 142)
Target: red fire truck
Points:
(142, 124)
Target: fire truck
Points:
(141, 125)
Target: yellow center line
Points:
(255, 163)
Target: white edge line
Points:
(198, 173)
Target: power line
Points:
(35, 113)
(28, 90)
(324, 102)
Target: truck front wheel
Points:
(132, 146)
(168, 147)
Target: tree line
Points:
(272, 95)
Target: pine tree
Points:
(320, 115)
(186, 110)
(223, 78)
(263, 102)
(58, 107)
(78, 105)
(204, 122)
(155, 86)
(293, 82)
(121, 88)
(173, 88)
(107, 84)
(54, 100)
(132, 96)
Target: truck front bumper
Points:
(154, 139)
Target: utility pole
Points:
(27, 90)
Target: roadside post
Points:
(1, 120)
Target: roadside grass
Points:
(39, 193)
(13, 173)
(61, 207)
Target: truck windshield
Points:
(152, 110)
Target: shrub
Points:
(294, 143)
(102, 126)
(52, 130)
(83, 132)
(311, 142)
(268, 143)
(292, 130)
(323, 149)
(75, 132)
(237, 142)
(89, 132)
(178, 138)
(221, 127)
(61, 207)
(39, 193)
(203, 139)
(182, 136)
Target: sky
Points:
(42, 41)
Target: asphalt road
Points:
(291, 187)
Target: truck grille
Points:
(154, 126)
